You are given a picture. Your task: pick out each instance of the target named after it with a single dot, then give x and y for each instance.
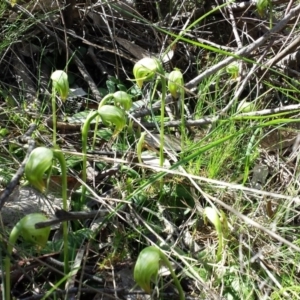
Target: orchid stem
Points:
(54, 115)
(102, 102)
(12, 240)
(162, 116)
(182, 116)
(60, 157)
(85, 131)
(176, 281)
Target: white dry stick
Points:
(241, 88)
(234, 28)
(245, 51)
(286, 50)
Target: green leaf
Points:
(111, 86)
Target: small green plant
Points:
(110, 115)
(233, 69)
(262, 6)
(39, 163)
(26, 229)
(146, 69)
(245, 107)
(139, 146)
(147, 267)
(60, 85)
(175, 83)
(221, 227)
(176, 88)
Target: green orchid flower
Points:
(112, 115)
(145, 69)
(123, 99)
(212, 215)
(245, 107)
(175, 83)
(61, 84)
(26, 229)
(233, 69)
(39, 162)
(147, 267)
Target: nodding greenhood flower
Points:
(212, 215)
(147, 267)
(175, 82)
(145, 69)
(112, 115)
(39, 162)
(245, 107)
(233, 69)
(123, 99)
(61, 84)
(27, 230)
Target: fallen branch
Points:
(238, 117)
(62, 216)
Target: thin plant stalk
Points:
(60, 157)
(181, 99)
(54, 115)
(213, 216)
(145, 69)
(176, 281)
(271, 14)
(60, 84)
(162, 127)
(110, 115)
(139, 147)
(12, 240)
(102, 102)
(162, 117)
(249, 150)
(85, 130)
